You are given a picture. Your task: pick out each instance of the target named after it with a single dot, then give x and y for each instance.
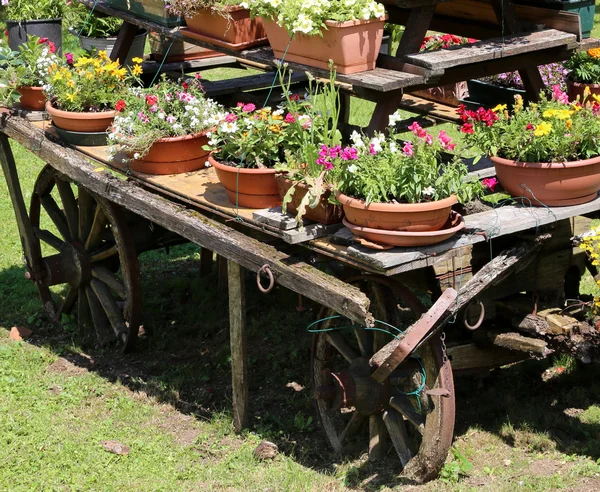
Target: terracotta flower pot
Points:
(352, 45)
(237, 30)
(32, 98)
(75, 121)
(453, 224)
(553, 184)
(324, 213)
(174, 155)
(408, 217)
(575, 89)
(250, 188)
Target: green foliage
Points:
(458, 467)
(308, 17)
(303, 423)
(584, 66)
(80, 20)
(34, 10)
(10, 64)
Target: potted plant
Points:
(98, 32)
(164, 128)
(247, 145)
(547, 153)
(42, 18)
(312, 33)
(152, 10)
(82, 92)
(220, 22)
(401, 193)
(9, 64)
(584, 71)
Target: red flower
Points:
(185, 85)
(151, 100)
(295, 97)
(120, 106)
(52, 47)
(43, 40)
(467, 128)
(530, 127)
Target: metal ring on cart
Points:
(479, 320)
(265, 269)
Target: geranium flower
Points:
(151, 100)
(467, 128)
(120, 105)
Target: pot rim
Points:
(240, 170)
(65, 114)
(396, 207)
(31, 87)
(181, 138)
(581, 84)
(35, 21)
(144, 32)
(348, 23)
(454, 216)
(545, 165)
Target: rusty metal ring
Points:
(265, 269)
(479, 320)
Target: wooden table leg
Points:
(124, 42)
(383, 110)
(206, 262)
(237, 327)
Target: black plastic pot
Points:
(43, 28)
(485, 94)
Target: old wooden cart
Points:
(399, 386)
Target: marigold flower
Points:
(594, 53)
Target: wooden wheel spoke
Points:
(49, 238)
(114, 314)
(99, 222)
(339, 342)
(56, 216)
(110, 279)
(68, 301)
(100, 321)
(364, 339)
(104, 254)
(403, 405)
(352, 426)
(377, 438)
(85, 203)
(69, 206)
(397, 430)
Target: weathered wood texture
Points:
(237, 335)
(249, 253)
(519, 343)
(472, 357)
(288, 227)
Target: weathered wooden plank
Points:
(249, 82)
(233, 245)
(237, 338)
(150, 67)
(474, 357)
(492, 49)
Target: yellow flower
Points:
(596, 97)
(518, 103)
(70, 83)
(70, 96)
(102, 55)
(578, 107)
(275, 128)
(83, 61)
(549, 113)
(563, 114)
(57, 76)
(499, 107)
(586, 91)
(569, 124)
(89, 75)
(594, 52)
(137, 70)
(137, 59)
(542, 129)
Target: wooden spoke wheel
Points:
(93, 253)
(410, 416)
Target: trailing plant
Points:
(89, 83)
(28, 10)
(552, 74)
(168, 109)
(555, 130)
(189, 8)
(584, 66)
(392, 170)
(439, 41)
(309, 16)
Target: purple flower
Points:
(171, 119)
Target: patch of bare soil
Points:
(586, 485)
(72, 364)
(547, 467)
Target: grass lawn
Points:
(533, 426)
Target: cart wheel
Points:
(91, 251)
(409, 413)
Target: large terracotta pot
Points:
(553, 184)
(74, 121)
(575, 89)
(324, 213)
(174, 155)
(408, 217)
(352, 45)
(250, 188)
(234, 28)
(32, 98)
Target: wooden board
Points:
(492, 49)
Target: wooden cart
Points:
(395, 385)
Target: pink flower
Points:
(335, 151)
(372, 149)
(407, 150)
(428, 139)
(558, 95)
(248, 108)
(349, 154)
(415, 128)
(168, 97)
(153, 109)
(230, 118)
(295, 97)
(446, 141)
(240, 104)
(143, 118)
(69, 58)
(171, 119)
(490, 183)
(289, 118)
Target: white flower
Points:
(303, 24)
(207, 164)
(395, 118)
(229, 127)
(376, 143)
(379, 10)
(366, 14)
(279, 112)
(393, 147)
(209, 134)
(245, 5)
(137, 155)
(349, 3)
(356, 138)
(352, 168)
(429, 191)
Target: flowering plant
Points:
(168, 109)
(554, 130)
(590, 243)
(438, 41)
(89, 83)
(9, 64)
(28, 10)
(37, 56)
(552, 74)
(309, 16)
(189, 8)
(584, 66)
(392, 170)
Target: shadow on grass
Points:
(185, 362)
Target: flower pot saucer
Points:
(221, 43)
(81, 139)
(382, 239)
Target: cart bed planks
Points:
(229, 243)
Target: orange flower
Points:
(594, 52)
(275, 128)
